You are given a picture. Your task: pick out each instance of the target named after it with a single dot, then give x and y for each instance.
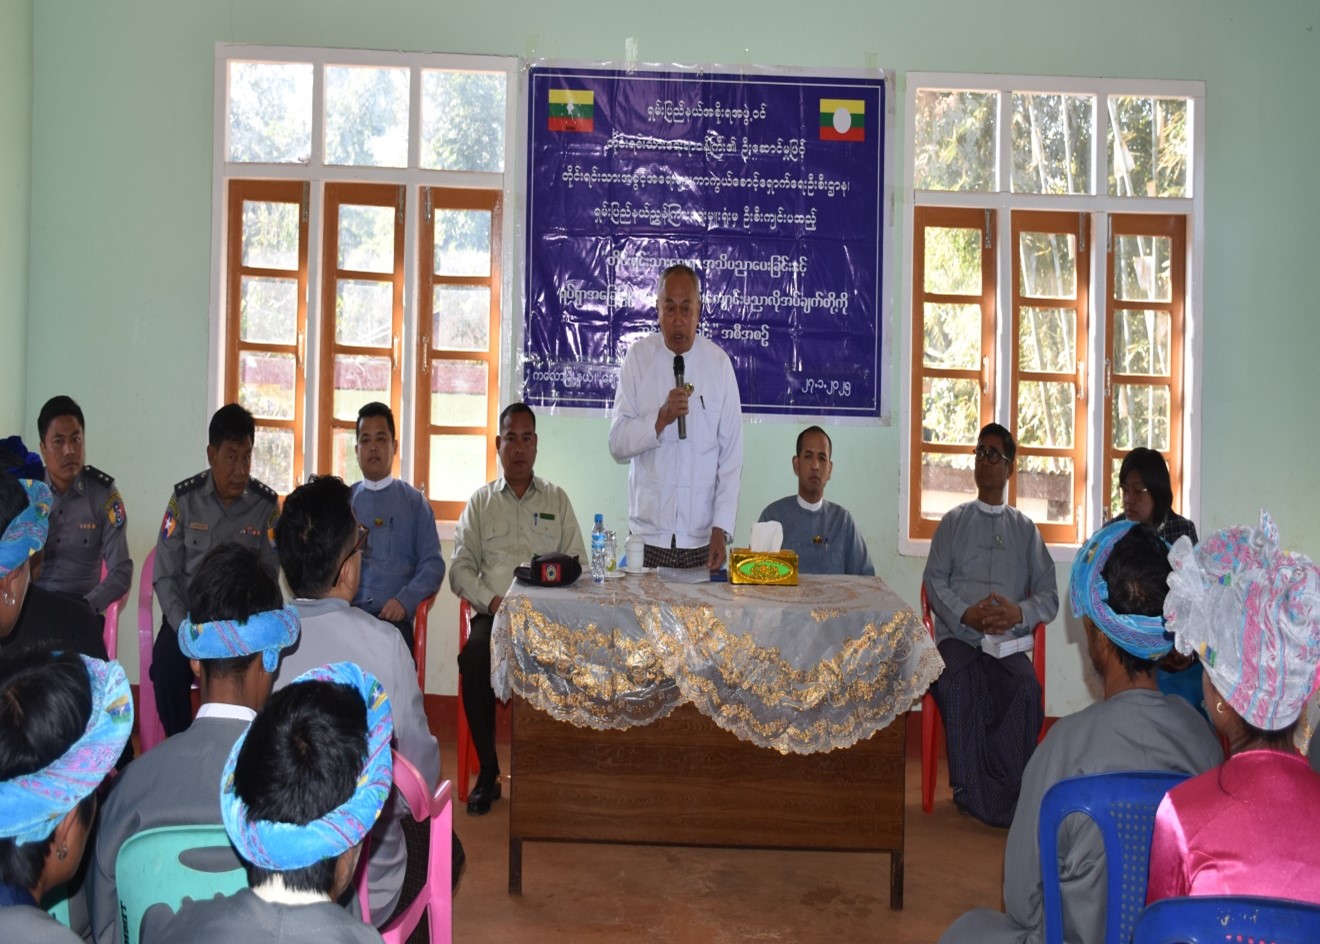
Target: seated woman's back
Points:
(1244, 828)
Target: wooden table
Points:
(710, 715)
(683, 781)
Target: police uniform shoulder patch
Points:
(96, 475)
(114, 508)
(191, 484)
(264, 490)
(170, 523)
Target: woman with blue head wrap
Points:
(24, 522)
(64, 720)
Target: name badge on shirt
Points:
(198, 526)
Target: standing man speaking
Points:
(678, 423)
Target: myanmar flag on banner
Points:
(842, 119)
(572, 110)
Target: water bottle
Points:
(598, 552)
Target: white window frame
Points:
(1100, 204)
(413, 178)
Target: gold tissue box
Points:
(769, 568)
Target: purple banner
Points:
(770, 186)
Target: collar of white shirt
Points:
(216, 709)
(809, 506)
(378, 486)
(991, 509)
(277, 893)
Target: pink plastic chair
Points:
(111, 631)
(150, 731)
(931, 722)
(436, 898)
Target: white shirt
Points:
(679, 488)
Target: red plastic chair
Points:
(420, 620)
(111, 631)
(931, 722)
(436, 898)
(150, 731)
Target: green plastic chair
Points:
(165, 866)
(56, 904)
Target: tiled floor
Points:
(600, 893)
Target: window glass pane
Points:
(272, 458)
(463, 121)
(1153, 150)
(1052, 143)
(270, 235)
(462, 242)
(1115, 509)
(1141, 342)
(366, 238)
(359, 380)
(1047, 339)
(343, 460)
(458, 467)
(955, 140)
(270, 112)
(953, 261)
(1045, 413)
(946, 481)
(366, 116)
(950, 410)
(461, 320)
(1142, 268)
(266, 384)
(1141, 417)
(952, 336)
(1045, 489)
(268, 310)
(364, 313)
(1049, 265)
(458, 393)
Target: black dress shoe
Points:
(482, 796)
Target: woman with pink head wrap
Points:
(1251, 613)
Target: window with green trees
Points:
(1049, 290)
(360, 198)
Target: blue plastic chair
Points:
(1122, 804)
(1202, 920)
(168, 864)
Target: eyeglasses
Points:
(990, 455)
(363, 532)
(1132, 491)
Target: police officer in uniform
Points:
(221, 504)
(87, 520)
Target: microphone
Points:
(678, 382)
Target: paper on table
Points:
(684, 574)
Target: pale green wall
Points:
(121, 196)
(15, 190)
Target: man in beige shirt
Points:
(504, 524)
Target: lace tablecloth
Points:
(800, 669)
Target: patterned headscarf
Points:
(32, 805)
(1252, 613)
(26, 534)
(281, 847)
(269, 633)
(1143, 636)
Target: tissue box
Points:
(772, 568)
